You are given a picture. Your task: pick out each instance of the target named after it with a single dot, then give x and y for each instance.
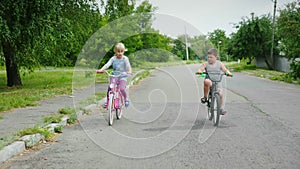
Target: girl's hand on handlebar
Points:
(99, 71)
(129, 73)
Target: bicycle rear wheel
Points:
(119, 111)
(110, 110)
(215, 109)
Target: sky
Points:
(175, 17)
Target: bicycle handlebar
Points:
(111, 75)
(205, 73)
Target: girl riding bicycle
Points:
(120, 63)
(215, 66)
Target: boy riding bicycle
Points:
(213, 66)
(120, 64)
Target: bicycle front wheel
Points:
(215, 109)
(110, 109)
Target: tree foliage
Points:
(22, 25)
(52, 33)
(220, 41)
(197, 47)
(133, 28)
(253, 39)
(288, 29)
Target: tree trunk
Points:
(12, 70)
(270, 62)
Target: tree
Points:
(220, 41)
(39, 32)
(20, 23)
(115, 9)
(198, 47)
(253, 39)
(288, 29)
(136, 23)
(179, 49)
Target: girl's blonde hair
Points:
(120, 46)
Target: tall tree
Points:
(288, 29)
(40, 32)
(20, 22)
(253, 39)
(220, 41)
(115, 9)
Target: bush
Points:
(295, 70)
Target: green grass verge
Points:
(6, 140)
(71, 112)
(40, 85)
(141, 76)
(238, 67)
(153, 65)
(34, 130)
(263, 73)
(55, 118)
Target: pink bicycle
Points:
(116, 100)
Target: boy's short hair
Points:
(120, 46)
(213, 51)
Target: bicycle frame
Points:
(115, 91)
(115, 98)
(214, 99)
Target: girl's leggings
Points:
(122, 86)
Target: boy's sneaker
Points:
(126, 103)
(203, 100)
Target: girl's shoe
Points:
(126, 103)
(104, 105)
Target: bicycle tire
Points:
(119, 111)
(110, 110)
(216, 110)
(209, 114)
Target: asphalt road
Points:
(166, 127)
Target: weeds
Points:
(52, 119)
(34, 130)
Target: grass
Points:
(238, 67)
(34, 130)
(141, 76)
(1, 117)
(58, 129)
(52, 119)
(153, 65)
(6, 140)
(40, 85)
(71, 112)
(263, 73)
(93, 99)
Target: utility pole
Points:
(186, 45)
(273, 32)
